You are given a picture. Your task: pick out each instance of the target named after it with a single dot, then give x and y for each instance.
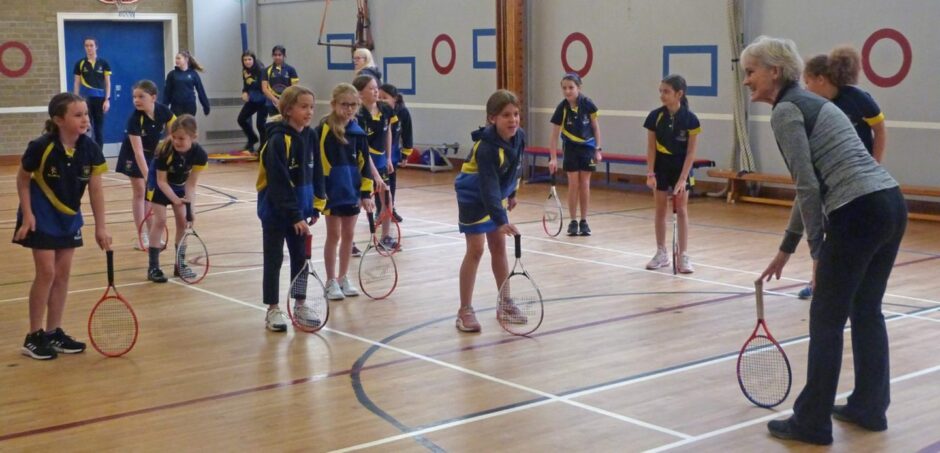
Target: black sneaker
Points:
(65, 344)
(573, 228)
(783, 429)
(37, 346)
(841, 412)
(250, 147)
(356, 252)
(156, 275)
(585, 229)
(396, 216)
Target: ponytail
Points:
(59, 107)
(678, 83)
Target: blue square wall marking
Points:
(711, 51)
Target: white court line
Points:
(773, 416)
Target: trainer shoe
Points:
(349, 290)
(333, 291)
(585, 229)
(396, 216)
(389, 244)
(685, 264)
(806, 293)
(467, 320)
(783, 429)
(275, 321)
(156, 275)
(184, 271)
(37, 346)
(510, 312)
(356, 252)
(304, 316)
(841, 412)
(660, 259)
(63, 343)
(573, 228)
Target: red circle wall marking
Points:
(444, 69)
(27, 59)
(577, 36)
(896, 36)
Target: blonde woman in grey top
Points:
(854, 217)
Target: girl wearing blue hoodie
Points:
(290, 191)
(180, 84)
(486, 190)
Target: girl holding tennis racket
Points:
(347, 174)
(672, 135)
(486, 191)
(172, 181)
(290, 191)
(402, 135)
(54, 172)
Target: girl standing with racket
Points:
(486, 191)
(144, 129)
(180, 84)
(854, 217)
(671, 142)
(290, 191)
(54, 172)
(377, 118)
(575, 119)
(344, 152)
(172, 181)
(254, 99)
(402, 134)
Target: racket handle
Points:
(189, 211)
(110, 255)
(553, 179)
(759, 294)
(371, 222)
(518, 239)
(308, 245)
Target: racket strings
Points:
(519, 301)
(378, 274)
(192, 258)
(764, 372)
(112, 326)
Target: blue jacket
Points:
(491, 173)
(346, 171)
(179, 88)
(290, 178)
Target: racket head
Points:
(378, 273)
(192, 258)
(519, 307)
(142, 230)
(764, 373)
(112, 324)
(307, 308)
(552, 217)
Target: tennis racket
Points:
(142, 231)
(675, 238)
(519, 308)
(378, 274)
(388, 242)
(112, 324)
(763, 368)
(552, 218)
(192, 256)
(307, 312)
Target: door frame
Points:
(170, 37)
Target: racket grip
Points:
(110, 255)
(518, 239)
(308, 245)
(189, 211)
(759, 294)
(553, 179)
(371, 222)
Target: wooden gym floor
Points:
(627, 359)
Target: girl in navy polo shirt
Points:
(377, 119)
(575, 119)
(51, 181)
(144, 129)
(277, 77)
(254, 99)
(402, 134)
(93, 82)
(671, 141)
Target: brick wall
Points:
(33, 22)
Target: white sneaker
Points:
(333, 291)
(306, 316)
(685, 264)
(143, 244)
(661, 259)
(275, 320)
(348, 288)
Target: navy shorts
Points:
(578, 158)
(348, 210)
(42, 241)
(155, 195)
(667, 177)
(127, 164)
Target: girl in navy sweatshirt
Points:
(180, 84)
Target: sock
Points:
(154, 254)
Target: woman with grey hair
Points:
(854, 217)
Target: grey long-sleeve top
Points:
(827, 160)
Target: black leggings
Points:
(96, 112)
(857, 255)
(244, 120)
(273, 238)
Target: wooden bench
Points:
(532, 154)
(737, 190)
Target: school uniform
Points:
(487, 180)
(58, 182)
(672, 143)
(402, 142)
(577, 134)
(279, 78)
(862, 111)
(178, 166)
(376, 129)
(255, 105)
(92, 88)
(290, 190)
(149, 130)
(178, 92)
(346, 175)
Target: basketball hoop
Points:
(127, 9)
